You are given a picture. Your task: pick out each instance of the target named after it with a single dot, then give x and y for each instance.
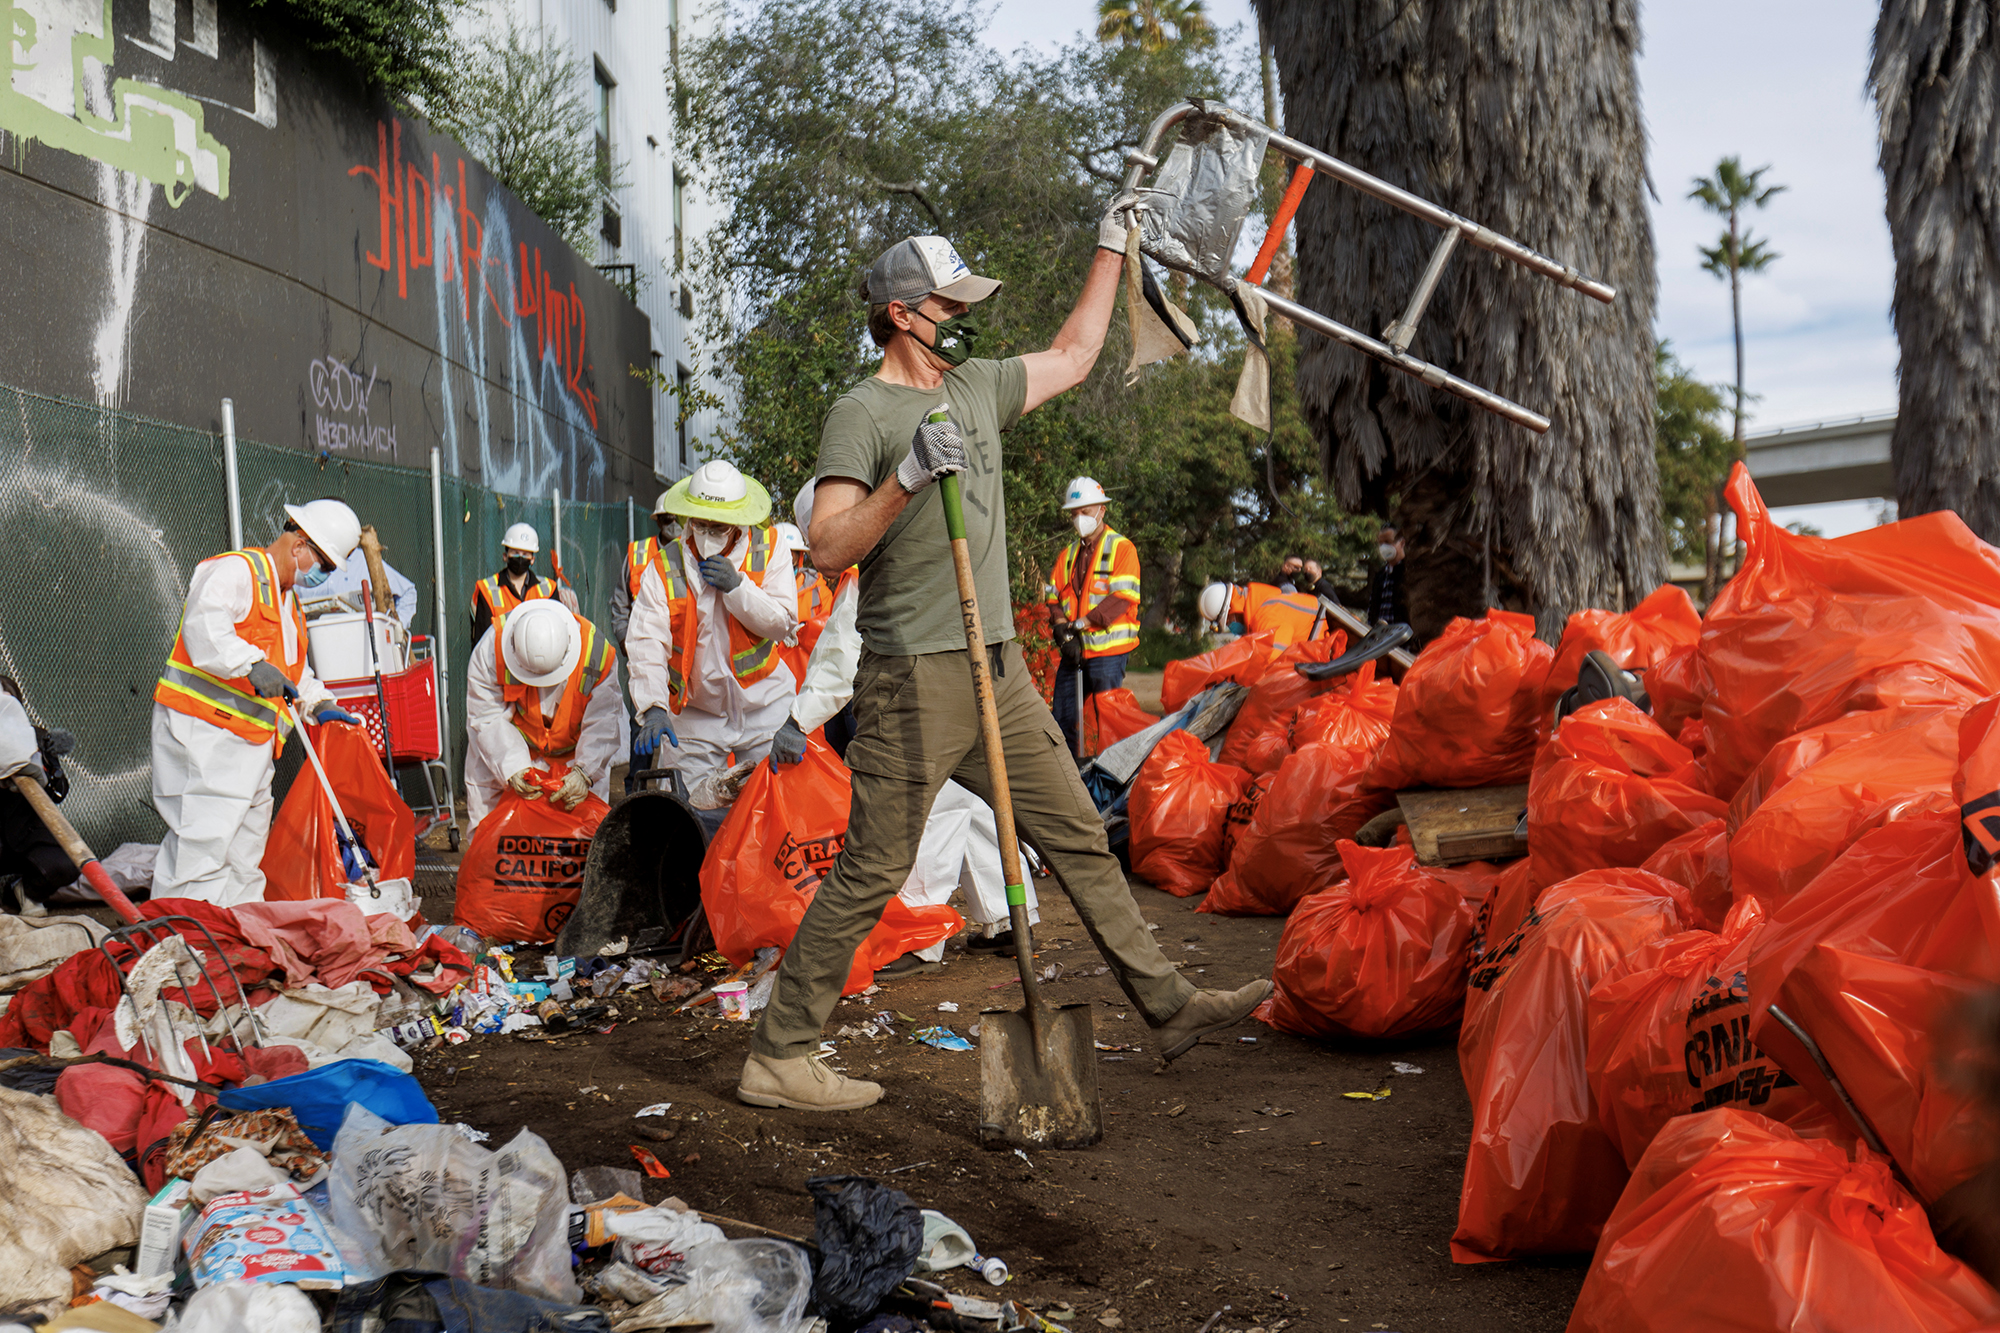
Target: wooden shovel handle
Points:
(75, 848)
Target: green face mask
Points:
(954, 338)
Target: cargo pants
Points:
(916, 725)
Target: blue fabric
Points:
(1099, 674)
(319, 1097)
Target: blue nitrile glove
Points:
(788, 747)
(717, 572)
(655, 723)
(355, 862)
(269, 682)
(334, 713)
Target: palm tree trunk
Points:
(1507, 114)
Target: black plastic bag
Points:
(869, 1237)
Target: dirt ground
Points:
(1239, 1180)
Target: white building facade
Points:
(624, 52)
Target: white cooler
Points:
(338, 645)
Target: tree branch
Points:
(911, 188)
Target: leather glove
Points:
(936, 450)
(656, 723)
(526, 783)
(269, 682)
(59, 742)
(1069, 646)
(718, 573)
(1119, 218)
(332, 712)
(575, 786)
(788, 747)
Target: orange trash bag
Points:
(1798, 829)
(1811, 628)
(1699, 860)
(1733, 1221)
(1179, 801)
(302, 853)
(1356, 717)
(1872, 961)
(1111, 716)
(773, 849)
(1664, 622)
(1243, 660)
(1676, 685)
(523, 870)
(1275, 700)
(1241, 811)
(1608, 790)
(1540, 1174)
(1796, 753)
(1499, 915)
(1291, 846)
(1381, 954)
(1670, 1035)
(1469, 707)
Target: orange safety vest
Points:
(750, 658)
(1114, 572)
(557, 735)
(637, 556)
(815, 608)
(232, 704)
(499, 596)
(1292, 617)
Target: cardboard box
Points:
(168, 1216)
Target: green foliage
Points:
(403, 48)
(1727, 193)
(1154, 24)
(826, 130)
(1693, 451)
(1159, 646)
(517, 105)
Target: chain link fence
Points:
(108, 514)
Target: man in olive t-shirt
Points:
(916, 721)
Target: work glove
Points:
(1119, 218)
(788, 747)
(936, 450)
(654, 724)
(1069, 645)
(332, 712)
(31, 769)
(575, 786)
(270, 683)
(526, 783)
(718, 573)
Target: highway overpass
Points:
(1824, 462)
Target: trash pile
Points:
(1725, 993)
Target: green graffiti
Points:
(155, 134)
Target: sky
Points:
(1786, 87)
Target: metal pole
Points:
(555, 506)
(631, 521)
(442, 655)
(230, 477)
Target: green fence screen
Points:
(107, 515)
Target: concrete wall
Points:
(197, 207)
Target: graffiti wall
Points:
(196, 207)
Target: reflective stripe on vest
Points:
(1122, 634)
(557, 735)
(637, 556)
(500, 598)
(750, 658)
(233, 704)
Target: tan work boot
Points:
(803, 1084)
(1208, 1011)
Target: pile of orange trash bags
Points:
(1179, 802)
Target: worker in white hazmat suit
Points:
(542, 686)
(714, 609)
(960, 849)
(219, 710)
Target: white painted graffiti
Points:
(340, 389)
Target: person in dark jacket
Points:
(1386, 598)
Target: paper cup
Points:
(733, 999)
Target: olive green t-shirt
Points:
(908, 590)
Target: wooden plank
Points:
(1449, 827)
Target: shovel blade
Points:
(1038, 1089)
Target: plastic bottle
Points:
(993, 1270)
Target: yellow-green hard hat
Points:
(718, 493)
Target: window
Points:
(680, 208)
(683, 384)
(612, 229)
(605, 83)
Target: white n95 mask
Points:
(1086, 525)
(708, 542)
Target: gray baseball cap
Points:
(918, 266)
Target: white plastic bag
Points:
(423, 1196)
(232, 1307)
(240, 1170)
(739, 1286)
(393, 896)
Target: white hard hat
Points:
(540, 642)
(1214, 603)
(802, 506)
(660, 505)
(328, 524)
(1084, 491)
(521, 537)
(789, 534)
